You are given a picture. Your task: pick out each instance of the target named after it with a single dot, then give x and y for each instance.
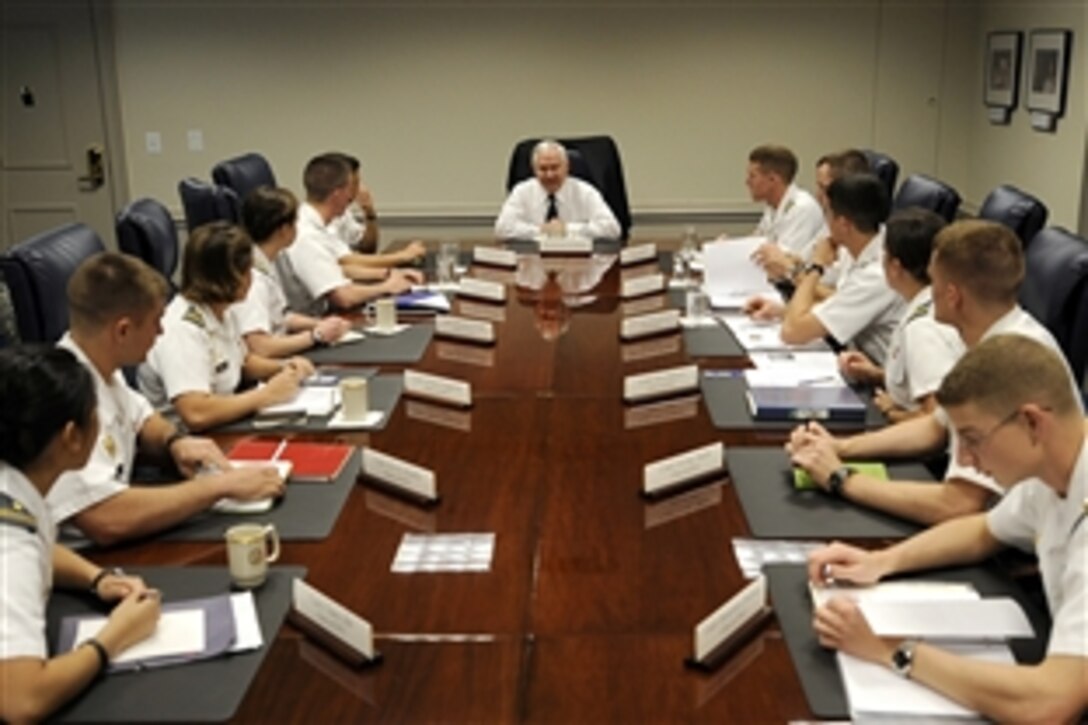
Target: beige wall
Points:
(432, 95)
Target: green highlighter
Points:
(802, 481)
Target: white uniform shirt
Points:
(310, 267)
(265, 307)
(122, 414)
(196, 352)
(1033, 517)
(864, 310)
(580, 206)
(921, 353)
(795, 224)
(350, 226)
(27, 536)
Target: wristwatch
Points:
(903, 658)
(319, 339)
(102, 574)
(814, 267)
(837, 480)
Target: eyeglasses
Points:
(974, 442)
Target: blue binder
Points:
(801, 403)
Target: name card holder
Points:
(438, 389)
(482, 289)
(464, 328)
(660, 384)
(682, 471)
(333, 626)
(656, 323)
(400, 478)
(495, 257)
(730, 627)
(644, 285)
(569, 246)
(639, 254)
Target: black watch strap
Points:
(837, 480)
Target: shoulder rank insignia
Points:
(194, 316)
(787, 207)
(110, 445)
(14, 513)
(919, 312)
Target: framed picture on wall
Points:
(1002, 73)
(1048, 76)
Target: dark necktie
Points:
(553, 213)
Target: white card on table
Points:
(730, 617)
(643, 285)
(456, 392)
(400, 474)
(333, 617)
(465, 328)
(483, 289)
(495, 256)
(652, 324)
(637, 254)
(660, 383)
(682, 467)
(566, 245)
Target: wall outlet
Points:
(196, 139)
(154, 142)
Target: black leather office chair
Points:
(603, 168)
(243, 174)
(146, 230)
(36, 272)
(1055, 290)
(1021, 212)
(204, 202)
(885, 168)
(928, 193)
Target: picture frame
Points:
(1002, 69)
(1048, 72)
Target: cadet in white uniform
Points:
(200, 359)
(1010, 398)
(792, 218)
(47, 426)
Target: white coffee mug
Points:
(249, 554)
(354, 398)
(382, 314)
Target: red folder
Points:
(311, 462)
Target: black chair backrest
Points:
(928, 193)
(602, 168)
(1021, 212)
(243, 174)
(37, 271)
(885, 168)
(1055, 290)
(204, 202)
(146, 230)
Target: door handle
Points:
(96, 168)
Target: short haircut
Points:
(908, 239)
(267, 209)
(351, 161)
(110, 285)
(548, 145)
(983, 257)
(847, 161)
(325, 174)
(777, 160)
(42, 389)
(860, 198)
(217, 258)
(1004, 372)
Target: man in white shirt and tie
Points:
(555, 204)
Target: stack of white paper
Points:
(794, 369)
(758, 335)
(316, 401)
(729, 274)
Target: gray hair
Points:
(548, 145)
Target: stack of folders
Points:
(800, 386)
(188, 631)
(310, 462)
(950, 615)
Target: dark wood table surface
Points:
(587, 612)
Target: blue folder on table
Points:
(838, 403)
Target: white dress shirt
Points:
(265, 307)
(310, 267)
(27, 537)
(580, 207)
(921, 353)
(795, 224)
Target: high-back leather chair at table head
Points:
(204, 202)
(602, 168)
(36, 272)
(928, 193)
(243, 174)
(1055, 290)
(885, 168)
(1021, 212)
(146, 230)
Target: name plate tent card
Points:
(332, 625)
(464, 328)
(482, 289)
(660, 383)
(566, 245)
(495, 257)
(655, 323)
(643, 285)
(730, 627)
(397, 476)
(638, 254)
(438, 388)
(681, 470)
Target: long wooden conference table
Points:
(587, 611)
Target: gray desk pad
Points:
(763, 479)
(207, 691)
(307, 513)
(384, 391)
(715, 341)
(530, 246)
(817, 667)
(403, 348)
(726, 400)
